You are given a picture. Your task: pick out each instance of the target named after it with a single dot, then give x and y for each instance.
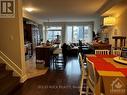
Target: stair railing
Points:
(10, 63)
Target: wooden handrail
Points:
(10, 63)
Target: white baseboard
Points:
(23, 78)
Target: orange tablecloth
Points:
(102, 65)
(109, 72)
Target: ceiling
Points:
(45, 9)
(117, 10)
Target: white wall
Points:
(119, 11)
(122, 24)
(11, 36)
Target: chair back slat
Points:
(81, 63)
(116, 52)
(91, 72)
(103, 52)
(91, 80)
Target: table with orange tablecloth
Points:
(111, 76)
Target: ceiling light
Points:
(109, 21)
(29, 9)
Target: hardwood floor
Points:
(54, 82)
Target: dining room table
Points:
(111, 75)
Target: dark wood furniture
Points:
(31, 37)
(102, 46)
(44, 53)
(122, 41)
(28, 38)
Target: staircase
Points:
(8, 83)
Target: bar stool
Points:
(58, 61)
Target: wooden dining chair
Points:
(103, 52)
(116, 52)
(92, 79)
(82, 65)
(83, 75)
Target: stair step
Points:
(4, 74)
(8, 85)
(2, 66)
(7, 81)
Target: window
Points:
(76, 33)
(53, 31)
(87, 33)
(69, 34)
